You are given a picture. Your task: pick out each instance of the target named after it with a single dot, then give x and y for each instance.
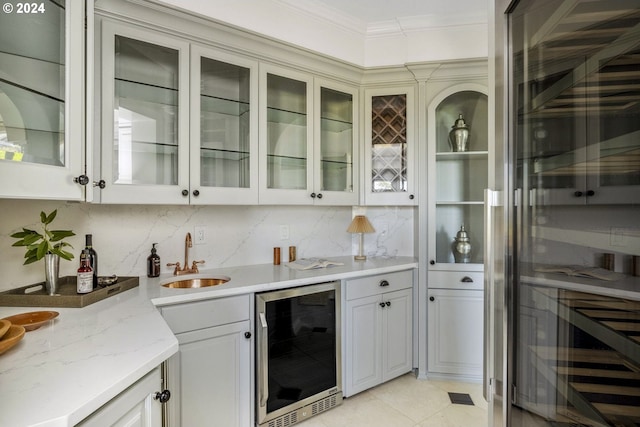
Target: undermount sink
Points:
(202, 282)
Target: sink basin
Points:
(202, 282)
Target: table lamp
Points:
(361, 225)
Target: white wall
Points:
(123, 234)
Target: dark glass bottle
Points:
(93, 258)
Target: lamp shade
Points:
(360, 224)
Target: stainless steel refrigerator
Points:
(562, 324)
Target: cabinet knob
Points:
(384, 283)
(466, 279)
(247, 335)
(185, 193)
(578, 194)
(411, 196)
(432, 262)
(313, 195)
(388, 303)
(382, 304)
(163, 396)
(432, 298)
(319, 195)
(100, 184)
(591, 193)
(82, 179)
(196, 193)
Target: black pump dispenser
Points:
(153, 263)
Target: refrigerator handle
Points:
(264, 350)
(492, 199)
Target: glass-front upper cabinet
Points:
(41, 99)
(390, 147)
(577, 102)
(145, 116)
(308, 145)
(224, 127)
(458, 156)
(336, 128)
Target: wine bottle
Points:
(84, 281)
(93, 258)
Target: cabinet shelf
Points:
(286, 117)
(464, 155)
(229, 107)
(458, 203)
(217, 153)
(143, 93)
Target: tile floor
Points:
(407, 402)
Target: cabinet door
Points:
(390, 146)
(397, 334)
(224, 128)
(145, 116)
(336, 171)
(286, 136)
(213, 367)
(41, 101)
(134, 407)
(455, 327)
(363, 344)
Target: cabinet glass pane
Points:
(336, 122)
(32, 88)
(145, 113)
(286, 133)
(389, 143)
(224, 124)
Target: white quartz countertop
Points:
(62, 372)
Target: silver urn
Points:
(459, 135)
(462, 247)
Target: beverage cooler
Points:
(562, 315)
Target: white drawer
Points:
(204, 314)
(378, 284)
(456, 280)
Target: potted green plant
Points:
(47, 244)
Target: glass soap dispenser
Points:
(153, 262)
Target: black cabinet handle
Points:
(82, 179)
(384, 283)
(578, 194)
(466, 279)
(388, 303)
(196, 193)
(382, 304)
(411, 197)
(432, 262)
(313, 195)
(591, 193)
(247, 335)
(319, 195)
(100, 184)
(432, 298)
(185, 193)
(163, 396)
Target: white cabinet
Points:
(390, 146)
(308, 132)
(457, 177)
(42, 102)
(378, 337)
(137, 406)
(179, 121)
(211, 375)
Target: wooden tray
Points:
(67, 296)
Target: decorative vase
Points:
(51, 273)
(462, 246)
(459, 135)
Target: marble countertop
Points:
(62, 372)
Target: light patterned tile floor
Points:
(407, 402)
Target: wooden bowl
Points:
(32, 320)
(4, 327)
(11, 338)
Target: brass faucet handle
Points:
(176, 265)
(194, 265)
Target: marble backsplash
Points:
(235, 235)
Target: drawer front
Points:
(204, 314)
(456, 280)
(378, 284)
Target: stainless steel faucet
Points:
(188, 243)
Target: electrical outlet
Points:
(284, 232)
(200, 235)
